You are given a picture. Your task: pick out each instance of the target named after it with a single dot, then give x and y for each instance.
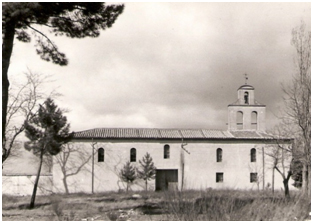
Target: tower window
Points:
(254, 120)
(253, 155)
(253, 177)
(219, 155)
(100, 155)
(239, 120)
(246, 97)
(166, 152)
(219, 177)
(133, 154)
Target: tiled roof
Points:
(145, 133)
(255, 103)
(246, 134)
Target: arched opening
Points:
(219, 155)
(254, 120)
(253, 155)
(133, 155)
(246, 97)
(100, 155)
(166, 152)
(239, 120)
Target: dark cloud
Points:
(175, 64)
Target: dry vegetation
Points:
(157, 206)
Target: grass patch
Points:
(216, 205)
(228, 205)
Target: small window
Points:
(246, 97)
(100, 155)
(133, 155)
(166, 152)
(253, 177)
(219, 177)
(219, 155)
(253, 155)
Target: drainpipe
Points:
(92, 167)
(263, 160)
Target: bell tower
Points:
(246, 114)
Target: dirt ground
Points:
(84, 207)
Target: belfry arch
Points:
(246, 114)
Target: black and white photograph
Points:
(156, 111)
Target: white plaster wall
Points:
(24, 185)
(246, 110)
(200, 166)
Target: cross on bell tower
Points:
(246, 113)
(246, 78)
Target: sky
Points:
(172, 65)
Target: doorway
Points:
(166, 179)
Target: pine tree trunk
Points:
(146, 185)
(7, 47)
(32, 202)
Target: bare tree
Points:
(71, 161)
(23, 100)
(281, 162)
(297, 99)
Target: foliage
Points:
(147, 171)
(128, 174)
(24, 20)
(47, 131)
(72, 19)
(296, 169)
(23, 100)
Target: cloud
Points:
(173, 64)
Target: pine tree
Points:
(147, 171)
(128, 174)
(22, 21)
(47, 131)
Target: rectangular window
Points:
(253, 177)
(219, 177)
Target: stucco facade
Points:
(21, 185)
(238, 158)
(196, 164)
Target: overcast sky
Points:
(172, 65)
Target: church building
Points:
(236, 158)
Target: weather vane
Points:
(246, 78)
